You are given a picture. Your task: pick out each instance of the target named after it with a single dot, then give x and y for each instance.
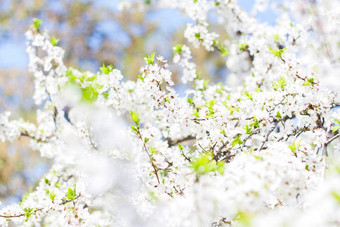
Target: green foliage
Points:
(336, 196)
(37, 23)
(278, 115)
(198, 36)
(294, 146)
(71, 194)
(210, 106)
(153, 150)
(203, 164)
(24, 197)
(196, 113)
(106, 69)
(52, 196)
(221, 48)
(248, 129)
(190, 101)
(134, 117)
(222, 131)
(134, 129)
(246, 93)
(150, 60)
(337, 126)
(280, 84)
(141, 78)
(255, 123)
(47, 181)
(28, 212)
(54, 41)
(308, 82)
(89, 94)
(244, 219)
(277, 53)
(236, 141)
(307, 167)
(243, 46)
(178, 49)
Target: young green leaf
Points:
(37, 23)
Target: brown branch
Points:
(174, 142)
(267, 136)
(331, 139)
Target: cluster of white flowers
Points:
(257, 150)
(182, 57)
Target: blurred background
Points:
(92, 32)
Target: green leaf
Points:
(276, 37)
(177, 49)
(258, 157)
(71, 194)
(134, 129)
(248, 129)
(246, 93)
(52, 196)
(190, 101)
(237, 141)
(47, 181)
(220, 167)
(222, 131)
(141, 78)
(198, 36)
(134, 117)
(335, 128)
(294, 146)
(37, 23)
(243, 46)
(57, 184)
(106, 69)
(180, 147)
(245, 219)
(203, 164)
(306, 84)
(146, 140)
(28, 212)
(336, 196)
(54, 41)
(224, 51)
(277, 53)
(24, 197)
(89, 94)
(196, 113)
(150, 60)
(153, 196)
(278, 115)
(255, 123)
(210, 106)
(153, 150)
(280, 84)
